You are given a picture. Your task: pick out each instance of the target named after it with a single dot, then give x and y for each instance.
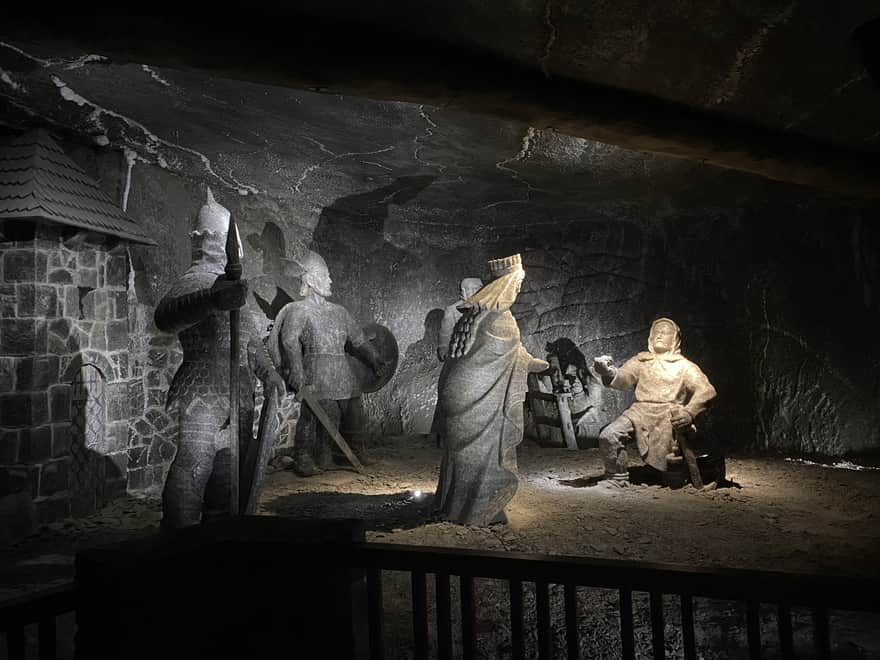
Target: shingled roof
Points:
(39, 182)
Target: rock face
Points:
(775, 286)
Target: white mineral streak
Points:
(6, 77)
(155, 76)
(130, 158)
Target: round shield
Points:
(386, 346)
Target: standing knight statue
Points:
(197, 309)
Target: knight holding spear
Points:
(202, 481)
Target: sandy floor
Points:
(778, 515)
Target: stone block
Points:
(71, 302)
(7, 374)
(27, 305)
(19, 266)
(40, 269)
(86, 258)
(60, 276)
(102, 304)
(9, 446)
(18, 517)
(17, 336)
(117, 335)
(116, 439)
(46, 301)
(116, 271)
(15, 410)
(98, 337)
(39, 408)
(117, 402)
(156, 398)
(41, 337)
(36, 444)
(61, 440)
(59, 403)
(87, 278)
(119, 360)
(19, 478)
(116, 466)
(137, 457)
(120, 304)
(137, 479)
(136, 397)
(53, 509)
(55, 477)
(8, 301)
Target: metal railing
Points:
(41, 608)
(785, 590)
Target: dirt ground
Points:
(773, 514)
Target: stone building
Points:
(65, 373)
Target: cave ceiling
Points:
(485, 111)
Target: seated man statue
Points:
(308, 342)
(670, 392)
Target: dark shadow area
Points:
(377, 512)
(712, 470)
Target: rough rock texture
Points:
(775, 286)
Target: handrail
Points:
(35, 606)
(843, 592)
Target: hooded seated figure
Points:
(670, 392)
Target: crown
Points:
(500, 267)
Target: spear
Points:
(233, 273)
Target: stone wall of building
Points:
(64, 369)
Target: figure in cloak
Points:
(481, 393)
(308, 342)
(468, 287)
(671, 391)
(197, 309)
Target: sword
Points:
(307, 395)
(233, 273)
(690, 460)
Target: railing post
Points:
(47, 638)
(374, 605)
(571, 622)
(468, 617)
(783, 619)
(687, 627)
(821, 638)
(753, 629)
(627, 643)
(657, 632)
(444, 617)
(542, 605)
(517, 641)
(420, 614)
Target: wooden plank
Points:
(517, 639)
(753, 629)
(444, 617)
(658, 642)
(468, 618)
(542, 605)
(687, 627)
(627, 641)
(565, 420)
(571, 622)
(786, 641)
(420, 615)
(374, 613)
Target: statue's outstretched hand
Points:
(228, 294)
(604, 365)
(537, 365)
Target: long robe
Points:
(481, 395)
